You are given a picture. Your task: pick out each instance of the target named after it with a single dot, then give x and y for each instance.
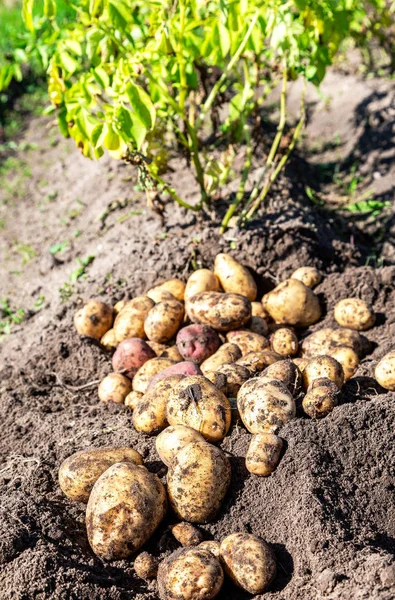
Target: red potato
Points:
(185, 369)
(130, 355)
(197, 342)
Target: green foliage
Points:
(9, 316)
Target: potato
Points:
(257, 361)
(126, 505)
(222, 312)
(172, 439)
(249, 561)
(354, 313)
(300, 363)
(147, 372)
(157, 348)
(197, 342)
(259, 325)
(212, 546)
(130, 355)
(196, 402)
(119, 306)
(202, 280)
(129, 323)
(293, 303)
(132, 398)
(321, 398)
(229, 378)
(160, 295)
(176, 287)
(184, 368)
(324, 340)
(163, 321)
(284, 341)
(385, 371)
(227, 353)
(323, 366)
(265, 406)
(263, 454)
(114, 387)
(187, 534)
(247, 341)
(173, 353)
(80, 471)
(146, 566)
(197, 481)
(94, 319)
(149, 415)
(109, 341)
(257, 310)
(286, 372)
(348, 359)
(233, 277)
(310, 276)
(190, 574)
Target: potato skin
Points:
(109, 341)
(321, 398)
(129, 323)
(187, 534)
(190, 574)
(310, 276)
(247, 341)
(172, 439)
(222, 312)
(184, 368)
(257, 361)
(264, 405)
(323, 366)
(257, 310)
(286, 372)
(293, 303)
(234, 277)
(197, 481)
(132, 398)
(130, 355)
(385, 371)
(324, 340)
(263, 454)
(197, 403)
(284, 341)
(173, 353)
(126, 505)
(175, 286)
(249, 561)
(149, 369)
(163, 321)
(197, 342)
(94, 319)
(300, 363)
(354, 313)
(227, 353)
(114, 387)
(149, 414)
(146, 566)
(212, 546)
(120, 305)
(229, 378)
(80, 471)
(201, 280)
(348, 359)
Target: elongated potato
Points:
(149, 369)
(263, 454)
(130, 355)
(286, 372)
(163, 321)
(114, 387)
(229, 378)
(322, 341)
(149, 415)
(176, 287)
(385, 371)
(348, 359)
(197, 481)
(222, 312)
(310, 276)
(94, 319)
(126, 505)
(190, 574)
(129, 323)
(187, 534)
(202, 280)
(109, 341)
(293, 303)
(284, 341)
(321, 398)
(80, 471)
(247, 341)
(323, 366)
(255, 362)
(234, 277)
(173, 438)
(249, 561)
(227, 353)
(264, 405)
(132, 398)
(196, 402)
(354, 313)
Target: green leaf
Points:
(119, 13)
(27, 13)
(111, 139)
(96, 8)
(50, 8)
(94, 37)
(125, 124)
(142, 105)
(68, 62)
(96, 134)
(101, 77)
(62, 122)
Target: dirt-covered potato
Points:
(109, 341)
(80, 471)
(197, 342)
(202, 280)
(173, 353)
(94, 319)
(227, 353)
(157, 348)
(286, 372)
(249, 561)
(234, 277)
(146, 566)
(196, 402)
(164, 320)
(229, 378)
(323, 366)
(293, 303)
(119, 306)
(212, 546)
(255, 362)
(129, 323)
(310, 276)
(187, 534)
(263, 454)
(257, 310)
(322, 341)
(176, 287)
(247, 341)
(160, 295)
(321, 398)
(385, 371)
(284, 341)
(184, 368)
(190, 574)
(259, 325)
(348, 359)
(197, 481)
(149, 369)
(300, 363)
(264, 405)
(132, 399)
(354, 313)
(114, 388)
(130, 355)
(222, 312)
(126, 505)
(172, 439)
(149, 415)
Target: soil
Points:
(329, 508)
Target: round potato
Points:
(263, 454)
(321, 398)
(160, 295)
(229, 378)
(163, 321)
(322, 341)
(129, 323)
(146, 566)
(323, 366)
(284, 341)
(222, 312)
(385, 371)
(130, 355)
(126, 505)
(132, 398)
(94, 319)
(80, 471)
(157, 348)
(257, 361)
(184, 368)
(249, 561)
(197, 481)
(212, 546)
(197, 342)
(257, 310)
(190, 574)
(176, 287)
(149, 415)
(202, 280)
(109, 341)
(354, 313)
(259, 325)
(119, 306)
(265, 406)
(187, 534)
(149, 369)
(233, 277)
(172, 439)
(348, 359)
(310, 276)
(173, 353)
(286, 372)
(227, 353)
(293, 303)
(114, 388)
(247, 341)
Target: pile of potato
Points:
(190, 360)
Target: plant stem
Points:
(194, 150)
(181, 60)
(174, 194)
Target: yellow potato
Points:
(348, 359)
(229, 378)
(321, 398)
(173, 353)
(129, 323)
(385, 371)
(222, 312)
(80, 471)
(227, 353)
(264, 405)
(94, 319)
(157, 348)
(126, 505)
(132, 398)
(212, 546)
(247, 341)
(187, 534)
(259, 325)
(146, 566)
(149, 415)
(172, 439)
(354, 313)
(300, 363)
(259, 311)
(284, 341)
(263, 454)
(202, 280)
(257, 361)
(323, 366)
(176, 287)
(322, 341)
(163, 321)
(197, 481)
(310, 276)
(234, 277)
(197, 403)
(119, 306)
(114, 387)
(286, 372)
(109, 341)
(148, 370)
(293, 303)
